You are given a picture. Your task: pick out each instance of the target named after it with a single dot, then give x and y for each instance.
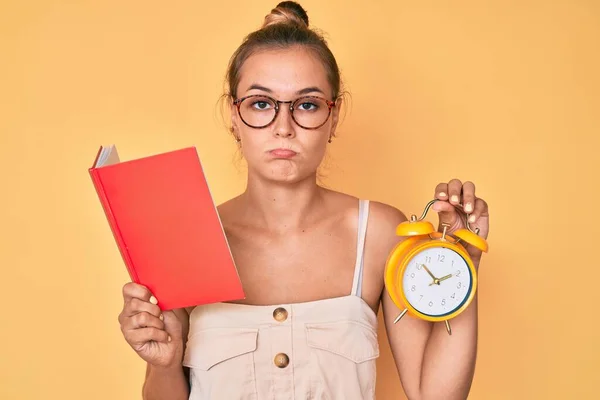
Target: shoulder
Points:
(381, 229)
(227, 207)
(384, 216)
(383, 220)
(381, 223)
(228, 211)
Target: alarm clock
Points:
(430, 274)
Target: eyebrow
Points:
(309, 90)
(300, 92)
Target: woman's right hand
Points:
(155, 335)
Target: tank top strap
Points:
(363, 216)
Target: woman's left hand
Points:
(457, 200)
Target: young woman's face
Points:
(283, 150)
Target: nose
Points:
(284, 124)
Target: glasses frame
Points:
(292, 103)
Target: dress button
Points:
(281, 360)
(280, 314)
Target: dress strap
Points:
(363, 216)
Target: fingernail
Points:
(454, 198)
(162, 317)
(472, 218)
(169, 338)
(468, 207)
(153, 300)
(442, 194)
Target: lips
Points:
(282, 153)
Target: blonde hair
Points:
(287, 12)
(285, 26)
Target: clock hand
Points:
(443, 278)
(429, 272)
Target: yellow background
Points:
(504, 93)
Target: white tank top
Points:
(324, 349)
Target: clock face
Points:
(444, 288)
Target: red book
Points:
(166, 226)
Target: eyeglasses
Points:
(308, 112)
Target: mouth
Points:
(282, 153)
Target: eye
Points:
(307, 106)
(261, 105)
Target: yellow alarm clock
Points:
(430, 274)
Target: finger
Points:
(443, 207)
(441, 194)
(134, 290)
(139, 337)
(454, 191)
(481, 209)
(447, 214)
(172, 324)
(441, 191)
(136, 305)
(468, 196)
(144, 320)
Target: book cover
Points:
(166, 226)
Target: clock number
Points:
(421, 298)
(427, 259)
(459, 285)
(419, 266)
(413, 288)
(441, 257)
(443, 302)
(412, 275)
(453, 263)
(430, 303)
(453, 295)
(458, 273)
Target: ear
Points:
(335, 115)
(234, 118)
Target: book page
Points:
(108, 156)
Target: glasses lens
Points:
(257, 111)
(311, 112)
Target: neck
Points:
(281, 206)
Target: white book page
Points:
(108, 156)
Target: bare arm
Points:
(431, 363)
(170, 381)
(164, 383)
(159, 338)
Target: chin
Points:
(284, 171)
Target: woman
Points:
(311, 260)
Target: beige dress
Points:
(323, 349)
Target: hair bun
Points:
(287, 12)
